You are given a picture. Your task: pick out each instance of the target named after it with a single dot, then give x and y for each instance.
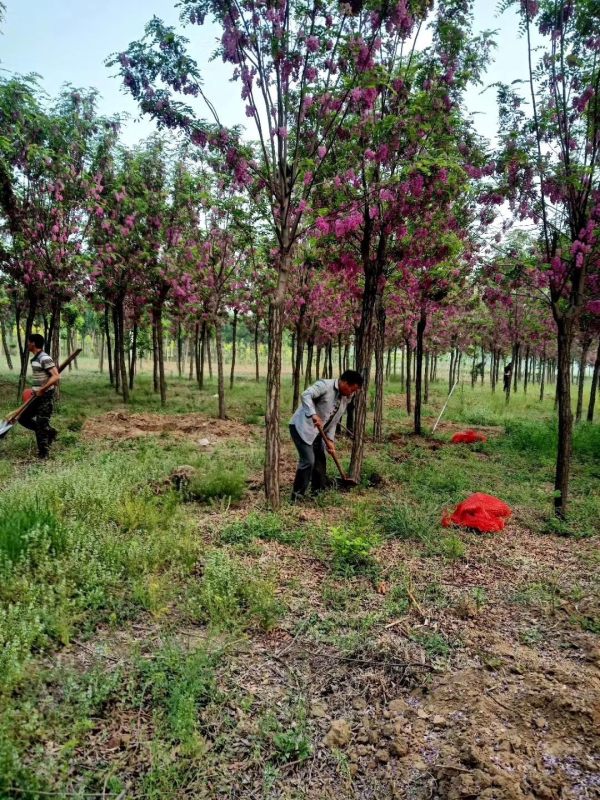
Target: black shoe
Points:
(44, 455)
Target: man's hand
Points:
(329, 444)
(317, 420)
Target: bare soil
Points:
(122, 425)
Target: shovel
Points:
(347, 482)
(12, 419)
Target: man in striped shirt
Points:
(45, 377)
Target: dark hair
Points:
(37, 339)
(352, 377)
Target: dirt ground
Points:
(513, 713)
(121, 425)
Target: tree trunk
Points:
(272, 435)
(220, 369)
(408, 377)
(318, 364)
(419, 371)
(516, 364)
(526, 375)
(340, 366)
(208, 352)
(297, 367)
(482, 366)
(101, 353)
(309, 359)
(233, 347)
(402, 373)
(109, 348)
(364, 350)
(256, 359)
(160, 346)
(197, 339)
(585, 347)
(379, 370)
(24, 351)
(592, 402)
(179, 349)
(155, 386)
(5, 346)
(202, 357)
(346, 357)
(116, 348)
(473, 378)
(565, 416)
(451, 371)
(133, 355)
(426, 390)
(542, 374)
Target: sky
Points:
(68, 41)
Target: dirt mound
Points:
(203, 429)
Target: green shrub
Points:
(268, 527)
(218, 481)
(352, 550)
(231, 595)
(28, 527)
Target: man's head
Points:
(350, 382)
(35, 342)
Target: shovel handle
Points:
(334, 454)
(14, 417)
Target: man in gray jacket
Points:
(323, 404)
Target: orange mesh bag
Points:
(469, 437)
(484, 512)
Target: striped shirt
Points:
(41, 364)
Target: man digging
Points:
(322, 407)
(45, 377)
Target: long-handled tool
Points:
(444, 408)
(13, 418)
(347, 482)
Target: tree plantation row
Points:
(358, 212)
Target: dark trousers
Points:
(37, 419)
(312, 465)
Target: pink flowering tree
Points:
(297, 65)
(46, 185)
(549, 160)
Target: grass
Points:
(193, 598)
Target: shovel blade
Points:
(4, 428)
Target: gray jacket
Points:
(322, 398)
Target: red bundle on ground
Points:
(484, 512)
(469, 437)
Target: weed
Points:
(450, 547)
(268, 527)
(587, 622)
(352, 551)
(292, 746)
(480, 597)
(435, 645)
(404, 521)
(219, 481)
(29, 527)
(231, 595)
(530, 637)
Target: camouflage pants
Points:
(37, 419)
